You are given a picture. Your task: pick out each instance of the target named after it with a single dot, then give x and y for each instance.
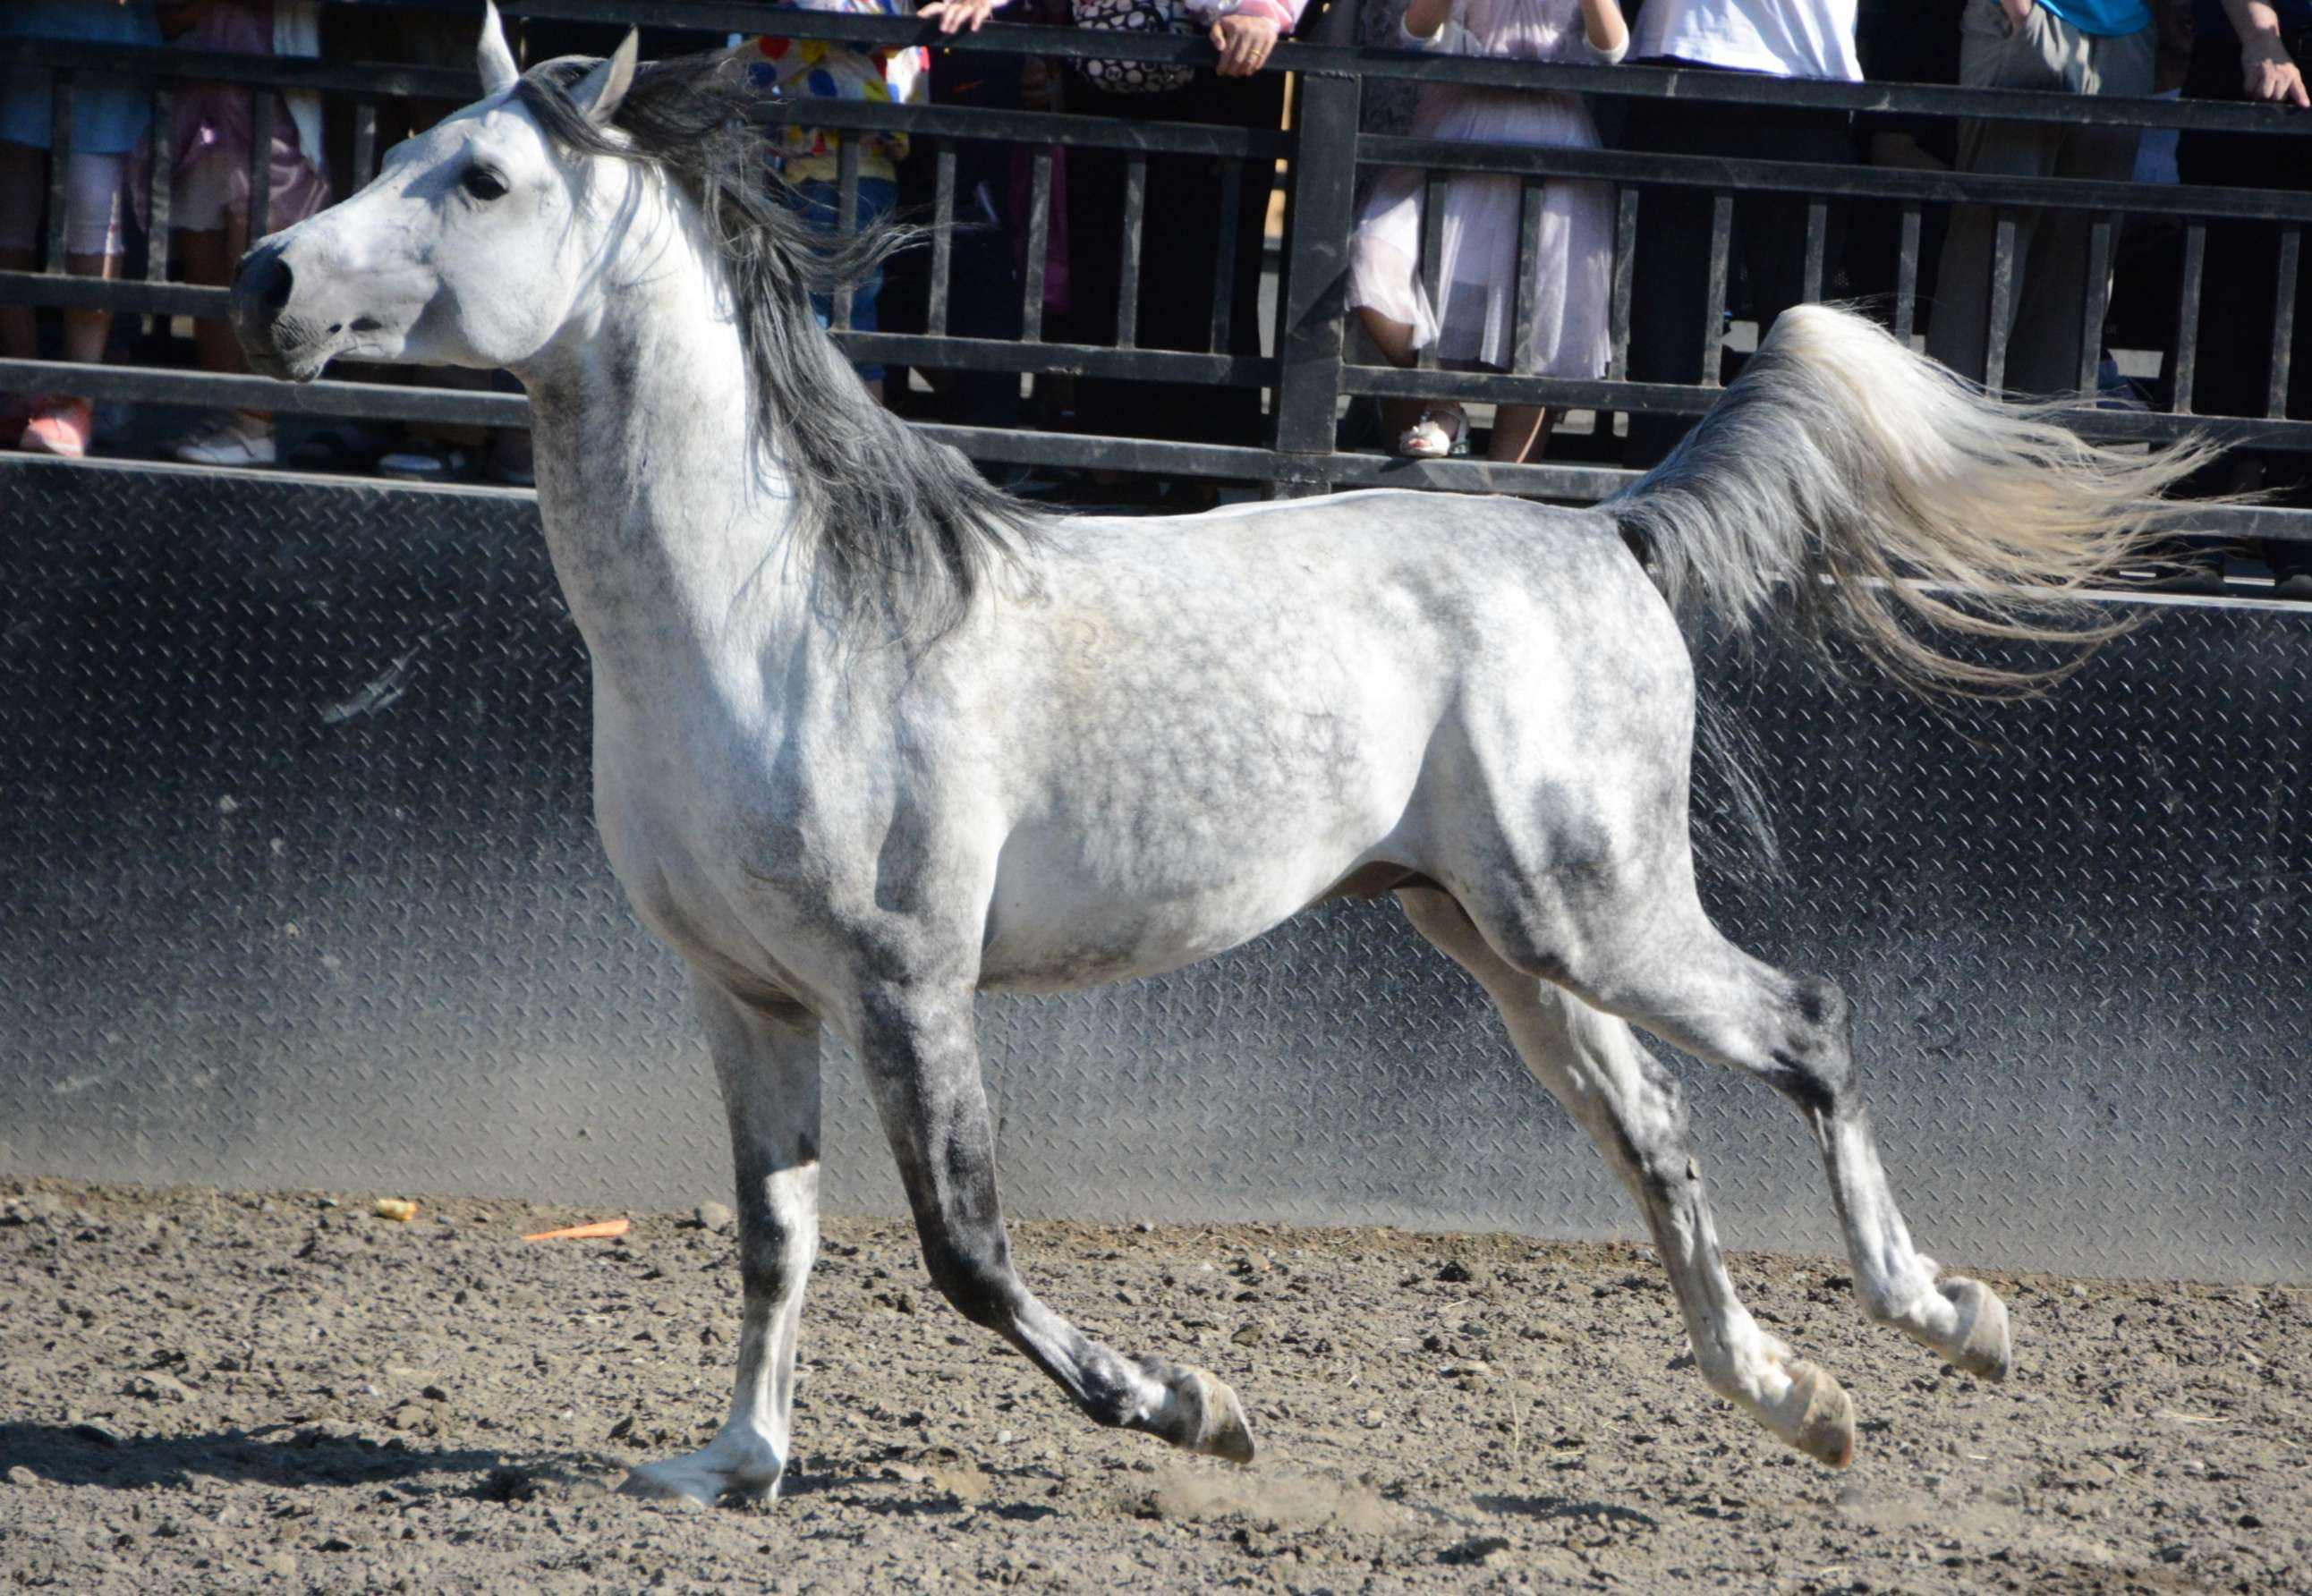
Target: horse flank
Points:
(906, 529)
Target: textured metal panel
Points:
(298, 886)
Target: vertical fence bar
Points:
(1433, 256)
(2094, 300)
(164, 190)
(2002, 301)
(1135, 213)
(1906, 275)
(942, 238)
(2187, 316)
(2283, 320)
(60, 129)
(1039, 244)
(1817, 245)
(1324, 165)
(846, 217)
(1713, 304)
(1522, 354)
(1224, 255)
(365, 140)
(264, 106)
(1625, 255)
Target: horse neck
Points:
(666, 522)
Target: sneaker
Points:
(60, 426)
(232, 439)
(417, 461)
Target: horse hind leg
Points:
(1693, 988)
(1633, 1108)
(922, 1062)
(767, 1062)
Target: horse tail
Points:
(1845, 485)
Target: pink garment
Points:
(1477, 271)
(212, 126)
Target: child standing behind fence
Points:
(832, 69)
(1478, 274)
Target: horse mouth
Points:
(291, 354)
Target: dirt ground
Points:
(204, 1391)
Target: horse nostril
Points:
(261, 288)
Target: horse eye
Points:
(482, 183)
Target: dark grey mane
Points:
(904, 528)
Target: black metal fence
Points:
(1308, 376)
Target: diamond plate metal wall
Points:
(298, 887)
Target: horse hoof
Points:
(1981, 1345)
(1213, 1420)
(1826, 1427)
(657, 1483)
(704, 1479)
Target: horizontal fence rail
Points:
(1310, 372)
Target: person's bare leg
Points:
(19, 333)
(208, 257)
(1521, 433)
(1394, 340)
(85, 331)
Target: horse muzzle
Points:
(277, 340)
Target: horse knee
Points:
(1653, 1125)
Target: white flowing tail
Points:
(1846, 485)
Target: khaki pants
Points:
(2051, 246)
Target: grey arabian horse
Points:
(871, 738)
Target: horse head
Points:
(468, 249)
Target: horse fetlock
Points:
(1200, 1414)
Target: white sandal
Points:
(1427, 438)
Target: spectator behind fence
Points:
(108, 121)
(1917, 43)
(2251, 50)
(213, 126)
(1787, 38)
(1179, 249)
(2077, 46)
(1477, 268)
(832, 69)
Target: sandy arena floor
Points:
(202, 1391)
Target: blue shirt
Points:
(2106, 19)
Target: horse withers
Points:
(872, 738)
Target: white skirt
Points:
(1572, 271)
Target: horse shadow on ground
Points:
(1546, 1509)
(282, 1455)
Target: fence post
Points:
(1321, 201)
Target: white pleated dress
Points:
(1478, 274)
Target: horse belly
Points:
(1134, 892)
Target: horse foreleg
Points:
(1633, 1108)
(767, 1061)
(922, 1059)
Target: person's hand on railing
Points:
(1244, 43)
(2267, 70)
(955, 16)
(2266, 73)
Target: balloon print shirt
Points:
(831, 69)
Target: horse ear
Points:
(599, 93)
(492, 56)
